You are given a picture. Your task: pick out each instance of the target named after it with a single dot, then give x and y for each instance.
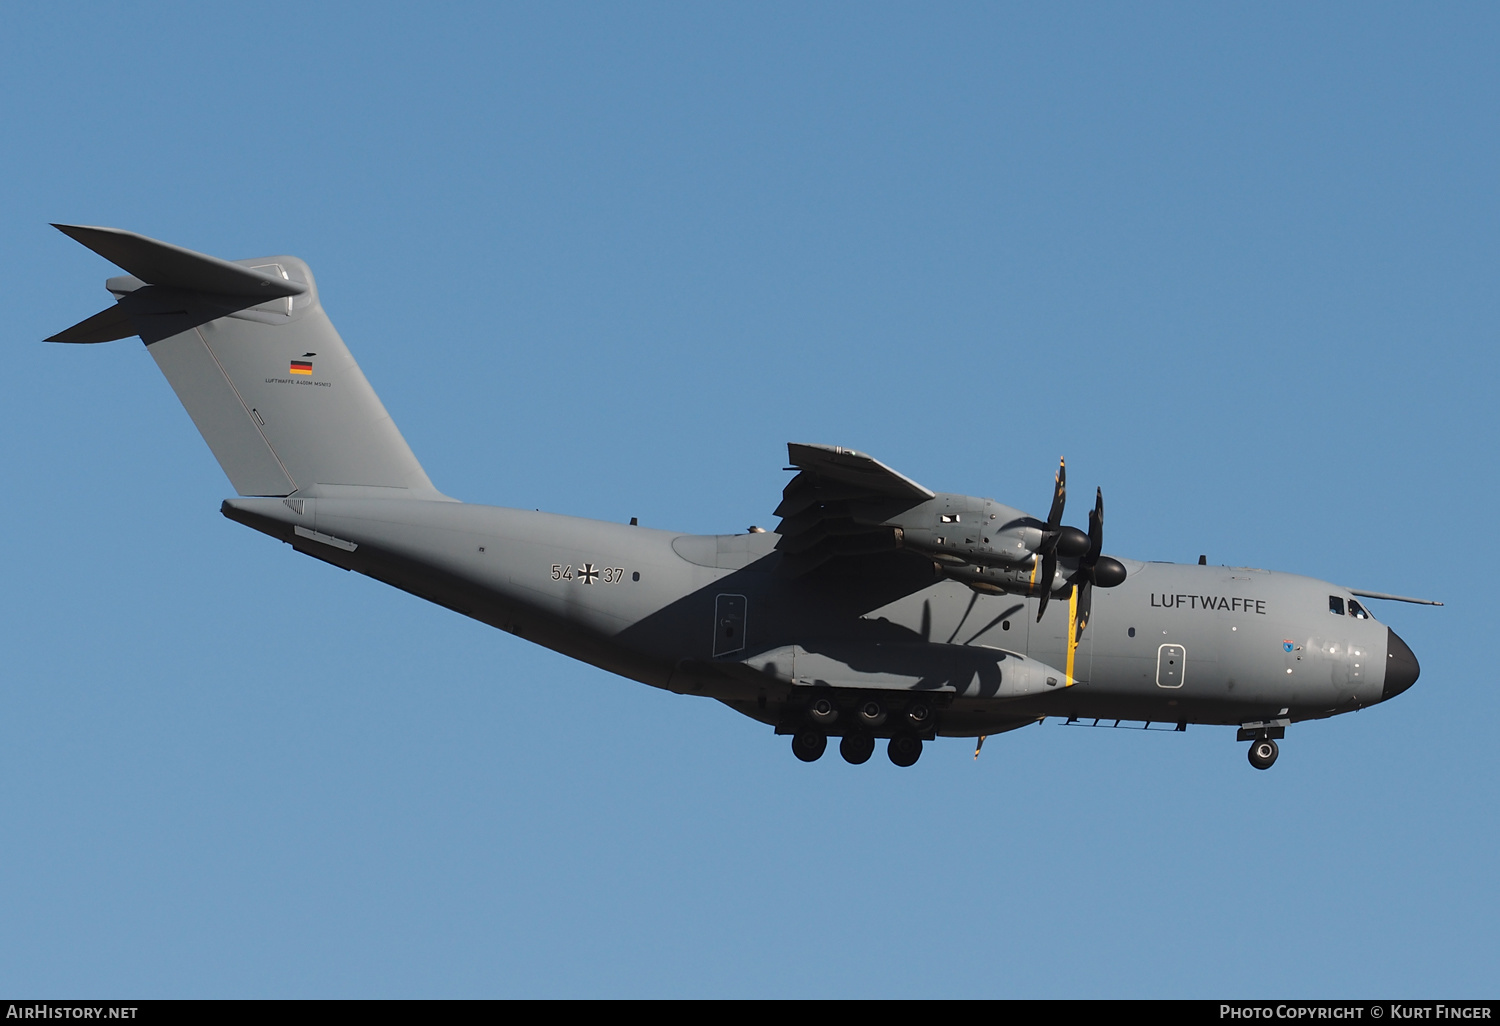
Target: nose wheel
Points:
(1263, 753)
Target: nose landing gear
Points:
(1263, 753)
(1263, 736)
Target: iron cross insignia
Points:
(588, 573)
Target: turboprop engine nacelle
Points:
(957, 530)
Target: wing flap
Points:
(837, 504)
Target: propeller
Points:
(1050, 536)
(1093, 568)
(1057, 539)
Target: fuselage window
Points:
(1355, 609)
(1335, 605)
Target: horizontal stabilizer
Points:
(105, 326)
(153, 312)
(161, 263)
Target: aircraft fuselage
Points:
(711, 615)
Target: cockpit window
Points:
(1335, 605)
(1355, 609)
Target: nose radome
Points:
(1401, 667)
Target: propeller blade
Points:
(1052, 534)
(1096, 530)
(1085, 606)
(1088, 564)
(1059, 496)
(1096, 569)
(1089, 556)
(1049, 572)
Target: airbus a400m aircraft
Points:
(877, 609)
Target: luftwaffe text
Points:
(1233, 604)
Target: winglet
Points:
(161, 263)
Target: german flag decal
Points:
(300, 367)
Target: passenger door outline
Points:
(729, 624)
(1171, 666)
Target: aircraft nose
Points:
(1401, 667)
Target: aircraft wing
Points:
(836, 504)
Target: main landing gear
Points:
(809, 746)
(904, 749)
(858, 721)
(857, 748)
(1263, 753)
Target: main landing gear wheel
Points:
(822, 711)
(1263, 753)
(857, 748)
(809, 745)
(904, 750)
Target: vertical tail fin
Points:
(252, 356)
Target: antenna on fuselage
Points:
(1393, 598)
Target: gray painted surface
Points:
(873, 588)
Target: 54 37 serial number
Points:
(588, 573)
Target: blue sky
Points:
(1238, 264)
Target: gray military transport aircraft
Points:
(877, 609)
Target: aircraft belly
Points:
(495, 565)
(448, 554)
(569, 568)
(960, 671)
